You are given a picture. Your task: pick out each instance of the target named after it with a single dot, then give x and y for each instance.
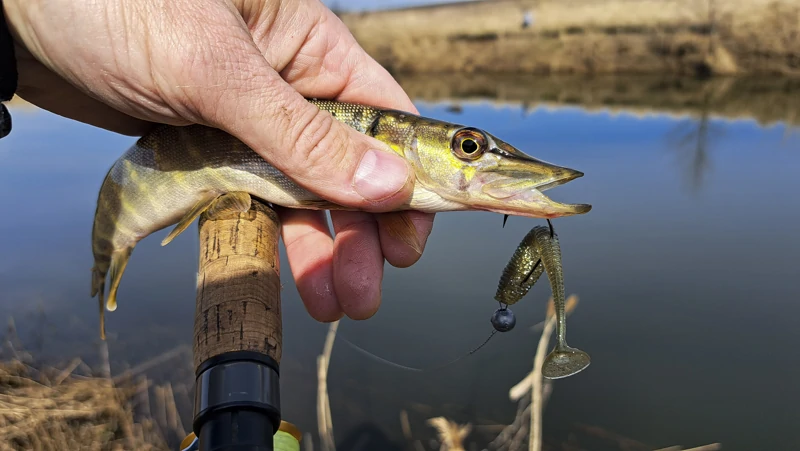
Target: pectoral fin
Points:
(216, 205)
(119, 260)
(399, 225)
(202, 205)
(231, 203)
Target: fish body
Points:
(173, 174)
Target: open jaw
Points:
(521, 197)
(534, 204)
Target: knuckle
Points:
(321, 143)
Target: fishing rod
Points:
(238, 336)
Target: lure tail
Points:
(564, 361)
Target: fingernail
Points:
(380, 175)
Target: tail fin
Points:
(99, 289)
(119, 260)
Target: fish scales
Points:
(360, 117)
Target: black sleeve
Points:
(8, 73)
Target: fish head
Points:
(472, 167)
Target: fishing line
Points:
(410, 368)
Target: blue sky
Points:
(379, 4)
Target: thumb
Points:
(327, 156)
(309, 145)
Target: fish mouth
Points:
(566, 209)
(568, 176)
(516, 189)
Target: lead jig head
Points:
(503, 319)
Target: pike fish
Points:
(174, 174)
(540, 251)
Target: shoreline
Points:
(680, 37)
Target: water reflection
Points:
(691, 139)
(765, 100)
(676, 333)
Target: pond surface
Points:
(686, 270)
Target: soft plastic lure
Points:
(540, 251)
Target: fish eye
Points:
(469, 144)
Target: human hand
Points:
(243, 66)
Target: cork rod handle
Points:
(238, 285)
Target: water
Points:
(685, 270)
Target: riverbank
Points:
(766, 100)
(682, 37)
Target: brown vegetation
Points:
(46, 407)
(688, 37)
(766, 100)
(52, 410)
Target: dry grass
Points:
(324, 417)
(48, 410)
(43, 407)
(451, 434)
(587, 36)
